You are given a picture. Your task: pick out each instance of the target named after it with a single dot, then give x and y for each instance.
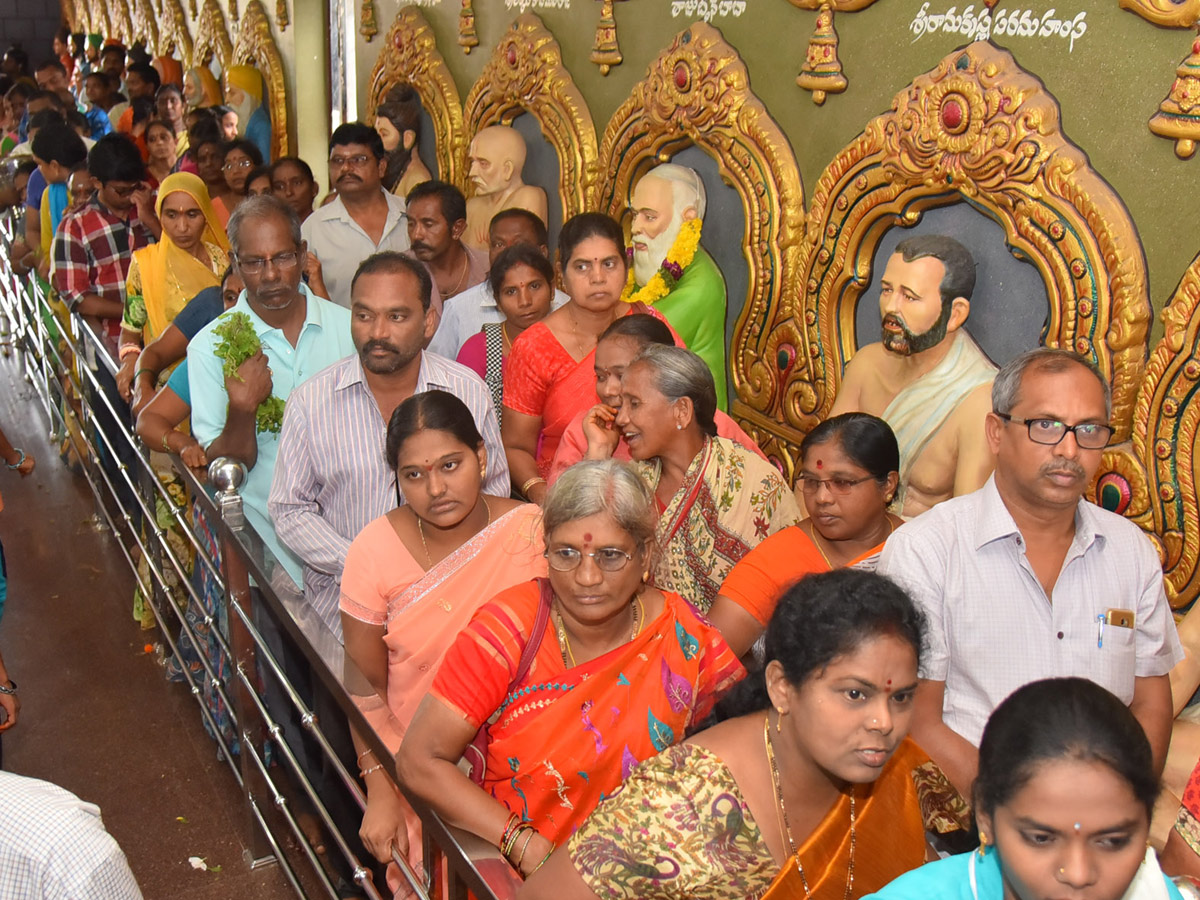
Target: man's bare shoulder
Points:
(860, 380)
(968, 416)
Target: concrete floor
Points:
(97, 715)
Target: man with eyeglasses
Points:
(1025, 579)
(301, 334)
(364, 218)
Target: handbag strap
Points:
(539, 631)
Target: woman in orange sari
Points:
(615, 671)
(550, 375)
(808, 788)
(414, 577)
(849, 469)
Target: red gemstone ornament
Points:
(512, 56)
(681, 76)
(952, 115)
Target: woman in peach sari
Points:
(849, 469)
(414, 577)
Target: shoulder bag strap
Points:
(539, 631)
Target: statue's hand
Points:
(600, 429)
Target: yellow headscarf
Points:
(170, 276)
(247, 79)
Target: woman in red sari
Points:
(549, 378)
(615, 671)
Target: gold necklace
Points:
(564, 643)
(817, 537)
(787, 827)
(461, 278)
(421, 531)
(508, 342)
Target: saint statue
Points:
(671, 271)
(398, 121)
(497, 156)
(927, 378)
(244, 94)
(200, 88)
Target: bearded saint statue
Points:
(244, 94)
(927, 378)
(671, 271)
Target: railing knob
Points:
(227, 475)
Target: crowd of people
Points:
(548, 551)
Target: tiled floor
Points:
(98, 717)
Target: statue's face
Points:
(387, 131)
(487, 170)
(656, 224)
(192, 92)
(910, 303)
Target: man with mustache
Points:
(332, 479)
(497, 158)
(363, 219)
(1024, 579)
(437, 216)
(927, 378)
(301, 334)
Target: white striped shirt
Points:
(331, 478)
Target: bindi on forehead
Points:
(587, 536)
(820, 463)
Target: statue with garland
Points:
(671, 271)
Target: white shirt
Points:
(341, 244)
(53, 846)
(990, 627)
(465, 314)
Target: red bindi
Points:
(889, 682)
(588, 536)
(820, 464)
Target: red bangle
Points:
(128, 350)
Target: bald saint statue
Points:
(664, 200)
(497, 156)
(927, 378)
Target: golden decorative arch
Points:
(410, 56)
(1167, 13)
(120, 20)
(1154, 478)
(144, 25)
(212, 37)
(78, 16)
(697, 92)
(174, 38)
(526, 74)
(976, 129)
(98, 18)
(256, 46)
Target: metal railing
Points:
(65, 363)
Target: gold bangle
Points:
(166, 445)
(537, 479)
(524, 847)
(542, 863)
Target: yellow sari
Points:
(162, 277)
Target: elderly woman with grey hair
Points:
(571, 681)
(716, 499)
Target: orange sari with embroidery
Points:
(566, 737)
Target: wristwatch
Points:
(11, 689)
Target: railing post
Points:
(227, 475)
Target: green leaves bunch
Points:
(238, 343)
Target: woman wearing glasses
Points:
(849, 469)
(241, 157)
(716, 500)
(582, 676)
(414, 577)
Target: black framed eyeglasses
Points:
(1088, 435)
(607, 559)
(810, 484)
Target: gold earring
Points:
(778, 719)
(982, 844)
(646, 576)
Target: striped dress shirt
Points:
(331, 478)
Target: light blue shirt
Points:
(324, 339)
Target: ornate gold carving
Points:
(120, 24)
(367, 26)
(980, 130)
(1169, 13)
(526, 74)
(822, 69)
(81, 17)
(697, 92)
(1178, 116)
(99, 18)
(212, 38)
(410, 55)
(467, 38)
(1159, 463)
(174, 39)
(281, 15)
(835, 5)
(256, 46)
(606, 52)
(144, 25)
